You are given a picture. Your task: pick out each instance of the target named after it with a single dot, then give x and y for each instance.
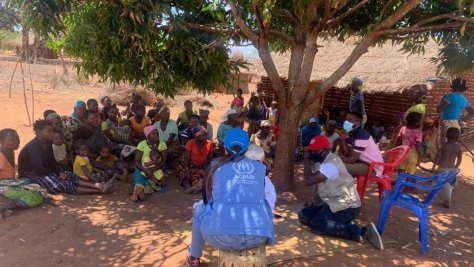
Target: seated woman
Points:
(144, 174)
(197, 154)
(168, 131)
(233, 183)
(92, 133)
(139, 122)
(15, 193)
(130, 110)
(113, 130)
(187, 134)
(69, 124)
(36, 162)
(154, 113)
(226, 125)
(183, 117)
(265, 139)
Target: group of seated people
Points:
(86, 152)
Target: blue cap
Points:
(237, 137)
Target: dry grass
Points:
(384, 69)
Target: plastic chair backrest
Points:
(441, 179)
(393, 158)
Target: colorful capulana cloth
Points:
(54, 184)
(24, 192)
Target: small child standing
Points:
(109, 163)
(60, 152)
(157, 181)
(448, 158)
(82, 166)
(411, 136)
(273, 113)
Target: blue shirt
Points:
(354, 103)
(457, 103)
(238, 205)
(307, 133)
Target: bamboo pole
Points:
(24, 94)
(32, 95)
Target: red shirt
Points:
(199, 156)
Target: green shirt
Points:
(419, 108)
(183, 118)
(146, 149)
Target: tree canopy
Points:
(8, 17)
(165, 44)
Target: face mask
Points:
(317, 157)
(348, 126)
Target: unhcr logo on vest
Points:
(243, 167)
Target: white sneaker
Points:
(373, 236)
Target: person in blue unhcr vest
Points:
(234, 213)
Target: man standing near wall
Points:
(356, 100)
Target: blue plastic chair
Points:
(418, 206)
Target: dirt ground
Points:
(108, 230)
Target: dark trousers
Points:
(322, 221)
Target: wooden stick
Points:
(32, 95)
(62, 62)
(24, 93)
(13, 74)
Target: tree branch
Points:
(283, 36)
(311, 48)
(272, 72)
(260, 21)
(384, 9)
(246, 30)
(327, 13)
(413, 29)
(449, 16)
(361, 49)
(285, 14)
(214, 28)
(341, 5)
(348, 13)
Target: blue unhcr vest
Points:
(238, 204)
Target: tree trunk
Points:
(283, 172)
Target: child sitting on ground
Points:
(60, 152)
(157, 181)
(449, 157)
(82, 166)
(110, 164)
(411, 136)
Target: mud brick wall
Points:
(385, 106)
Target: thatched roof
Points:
(384, 68)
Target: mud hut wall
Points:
(379, 106)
